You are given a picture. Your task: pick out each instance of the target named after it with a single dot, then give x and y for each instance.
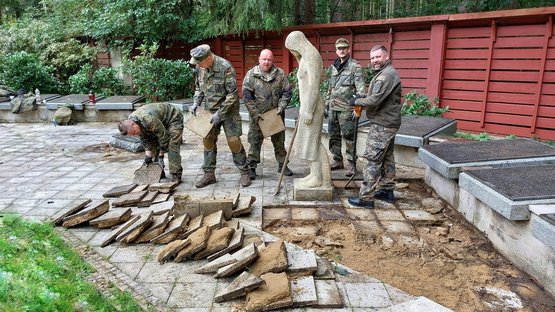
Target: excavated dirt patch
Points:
(447, 262)
(104, 151)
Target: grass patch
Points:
(39, 272)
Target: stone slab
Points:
(117, 191)
(111, 218)
(193, 225)
(322, 193)
(170, 250)
(91, 211)
(415, 131)
(163, 207)
(272, 258)
(118, 102)
(239, 287)
(147, 200)
(78, 101)
(161, 197)
(420, 304)
(198, 239)
(148, 174)
(207, 207)
(270, 296)
(235, 243)
(244, 257)
(214, 220)
(217, 241)
(324, 269)
(176, 225)
(165, 188)
(303, 292)
(200, 124)
(74, 207)
(128, 143)
(421, 217)
(115, 233)
(140, 188)
(271, 123)
(135, 229)
(543, 230)
(157, 227)
(328, 295)
(542, 209)
(182, 104)
(130, 199)
(301, 261)
(244, 206)
(214, 265)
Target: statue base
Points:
(303, 193)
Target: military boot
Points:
(207, 179)
(288, 172)
(350, 169)
(245, 179)
(176, 178)
(385, 195)
(336, 164)
(252, 173)
(359, 202)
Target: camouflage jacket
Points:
(216, 88)
(263, 93)
(155, 120)
(383, 101)
(343, 84)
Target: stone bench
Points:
(119, 102)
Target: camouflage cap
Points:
(342, 43)
(199, 53)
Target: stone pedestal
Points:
(303, 193)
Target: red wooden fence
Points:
(495, 70)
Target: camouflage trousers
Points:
(232, 129)
(341, 125)
(174, 150)
(380, 172)
(256, 138)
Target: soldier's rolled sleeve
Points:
(231, 89)
(359, 81)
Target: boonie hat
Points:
(199, 53)
(342, 43)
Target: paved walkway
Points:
(44, 168)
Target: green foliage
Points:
(29, 35)
(22, 70)
(419, 104)
(67, 57)
(483, 136)
(38, 272)
(103, 81)
(159, 79)
(368, 74)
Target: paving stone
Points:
(148, 174)
(304, 214)
(147, 200)
(274, 294)
(389, 215)
(421, 217)
(161, 197)
(324, 269)
(170, 250)
(157, 227)
(93, 210)
(140, 188)
(175, 226)
(130, 199)
(420, 304)
(166, 188)
(328, 294)
(117, 191)
(111, 218)
(136, 254)
(131, 233)
(239, 287)
(332, 213)
(200, 123)
(276, 213)
(397, 227)
(119, 230)
(303, 292)
(214, 265)
(207, 207)
(214, 220)
(163, 207)
(244, 257)
(74, 207)
(218, 240)
(235, 243)
(193, 297)
(367, 295)
(301, 261)
(272, 258)
(199, 239)
(243, 206)
(194, 224)
(361, 214)
(154, 272)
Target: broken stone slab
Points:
(159, 224)
(324, 270)
(244, 206)
(303, 292)
(235, 243)
(208, 207)
(140, 188)
(93, 210)
(417, 305)
(244, 257)
(199, 239)
(130, 199)
(253, 238)
(275, 293)
(218, 240)
(214, 265)
(421, 217)
(272, 258)
(162, 208)
(111, 218)
(117, 191)
(302, 261)
(170, 250)
(147, 200)
(328, 294)
(135, 229)
(176, 226)
(74, 207)
(119, 230)
(239, 287)
(161, 197)
(165, 188)
(214, 220)
(194, 224)
(148, 174)
(233, 223)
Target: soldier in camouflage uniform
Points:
(160, 128)
(346, 81)
(383, 109)
(216, 91)
(265, 87)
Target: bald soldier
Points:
(160, 128)
(265, 88)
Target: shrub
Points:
(159, 79)
(22, 70)
(419, 104)
(103, 81)
(67, 57)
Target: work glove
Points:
(148, 160)
(194, 109)
(257, 118)
(216, 118)
(161, 161)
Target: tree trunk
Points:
(309, 11)
(298, 15)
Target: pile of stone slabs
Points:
(118, 102)
(77, 100)
(415, 131)
(510, 191)
(449, 159)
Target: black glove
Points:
(148, 160)
(194, 109)
(216, 118)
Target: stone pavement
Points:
(44, 168)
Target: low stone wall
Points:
(41, 114)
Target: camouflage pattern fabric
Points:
(380, 172)
(232, 129)
(341, 125)
(343, 84)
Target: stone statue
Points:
(308, 143)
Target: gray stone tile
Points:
(367, 295)
(389, 215)
(192, 295)
(304, 214)
(135, 253)
(397, 295)
(130, 269)
(161, 291)
(153, 272)
(397, 227)
(105, 252)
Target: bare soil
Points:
(449, 262)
